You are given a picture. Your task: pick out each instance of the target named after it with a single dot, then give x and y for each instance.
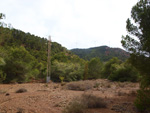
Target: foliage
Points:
(139, 28)
(86, 70)
(110, 66)
(105, 53)
(2, 62)
(115, 70)
(70, 71)
(19, 65)
(2, 16)
(2, 76)
(142, 101)
(61, 78)
(94, 68)
(137, 42)
(124, 72)
(25, 56)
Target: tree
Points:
(137, 42)
(110, 67)
(70, 71)
(2, 16)
(94, 68)
(20, 65)
(124, 72)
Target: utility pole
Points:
(49, 61)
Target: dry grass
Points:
(79, 86)
(86, 101)
(2, 91)
(93, 101)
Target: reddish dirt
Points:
(52, 97)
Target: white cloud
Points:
(73, 23)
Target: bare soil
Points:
(53, 98)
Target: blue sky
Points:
(72, 23)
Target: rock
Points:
(7, 94)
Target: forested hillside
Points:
(23, 58)
(105, 53)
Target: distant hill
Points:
(103, 52)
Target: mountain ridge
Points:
(105, 53)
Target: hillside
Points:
(23, 58)
(105, 53)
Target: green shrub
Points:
(110, 67)
(142, 101)
(70, 71)
(94, 68)
(124, 73)
(20, 65)
(2, 76)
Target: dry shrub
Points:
(93, 101)
(96, 85)
(2, 92)
(121, 93)
(79, 86)
(132, 93)
(80, 104)
(22, 90)
(76, 106)
(121, 85)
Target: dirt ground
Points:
(52, 97)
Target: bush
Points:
(79, 86)
(75, 107)
(142, 101)
(2, 76)
(92, 101)
(94, 68)
(110, 66)
(124, 74)
(20, 65)
(80, 104)
(70, 71)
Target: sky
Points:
(72, 23)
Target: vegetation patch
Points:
(79, 86)
(22, 90)
(86, 101)
(2, 92)
(92, 101)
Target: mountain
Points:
(103, 52)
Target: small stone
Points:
(7, 94)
